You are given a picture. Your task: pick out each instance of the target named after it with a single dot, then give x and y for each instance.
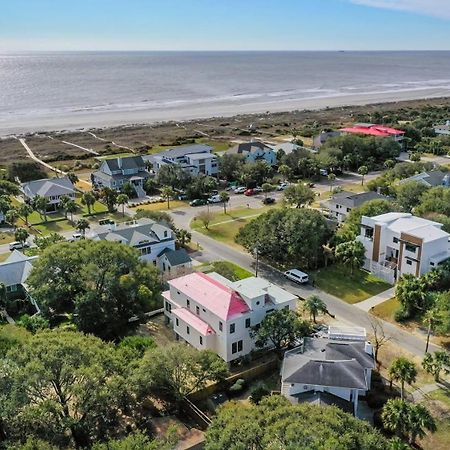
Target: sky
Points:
(28, 25)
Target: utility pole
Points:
(257, 260)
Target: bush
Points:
(258, 393)
(237, 387)
(401, 315)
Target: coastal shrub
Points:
(258, 393)
(237, 387)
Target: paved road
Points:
(212, 250)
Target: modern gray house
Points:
(50, 188)
(195, 159)
(114, 173)
(340, 205)
(255, 151)
(433, 178)
(329, 371)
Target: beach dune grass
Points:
(336, 280)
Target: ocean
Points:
(76, 87)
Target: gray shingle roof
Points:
(352, 200)
(324, 399)
(433, 178)
(48, 187)
(247, 147)
(180, 152)
(126, 163)
(176, 257)
(16, 269)
(346, 374)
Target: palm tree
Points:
(11, 216)
(420, 420)
(2, 295)
(315, 305)
(63, 202)
(25, 210)
(351, 254)
(40, 204)
(72, 176)
(434, 363)
(82, 225)
(88, 199)
(430, 318)
(183, 237)
(21, 235)
(122, 199)
(403, 370)
(167, 193)
(395, 416)
(109, 196)
(285, 171)
(331, 179)
(224, 198)
(363, 170)
(71, 207)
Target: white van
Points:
(297, 276)
(214, 199)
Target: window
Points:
(368, 233)
(177, 322)
(257, 303)
(411, 248)
(237, 347)
(220, 326)
(409, 262)
(432, 264)
(188, 330)
(395, 240)
(197, 310)
(349, 209)
(188, 303)
(168, 307)
(232, 328)
(201, 340)
(247, 323)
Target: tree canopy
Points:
(277, 424)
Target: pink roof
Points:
(214, 296)
(373, 130)
(193, 321)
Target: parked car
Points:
(268, 201)
(257, 189)
(214, 192)
(16, 245)
(240, 190)
(214, 199)
(297, 276)
(323, 172)
(249, 192)
(198, 202)
(282, 186)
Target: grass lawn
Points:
(6, 238)
(161, 206)
(54, 227)
(97, 207)
(226, 268)
(4, 256)
(218, 146)
(115, 216)
(387, 309)
(336, 280)
(35, 217)
(114, 156)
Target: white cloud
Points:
(436, 8)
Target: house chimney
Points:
(368, 348)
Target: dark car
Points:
(198, 202)
(269, 201)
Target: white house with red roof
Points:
(371, 129)
(210, 312)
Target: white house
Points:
(154, 241)
(210, 312)
(255, 151)
(400, 243)
(443, 130)
(335, 370)
(195, 159)
(50, 188)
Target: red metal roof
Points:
(221, 300)
(193, 321)
(373, 130)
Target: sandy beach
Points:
(103, 119)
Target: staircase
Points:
(140, 191)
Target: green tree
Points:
(177, 370)
(104, 284)
(183, 237)
(21, 235)
(33, 324)
(285, 171)
(299, 195)
(315, 306)
(431, 319)
(25, 210)
(331, 179)
(230, 166)
(201, 186)
(72, 176)
(88, 199)
(290, 236)
(403, 370)
(25, 171)
(71, 208)
(12, 216)
(63, 202)
(3, 296)
(167, 193)
(128, 190)
(408, 194)
(139, 441)
(389, 164)
(8, 188)
(411, 292)
(138, 344)
(224, 198)
(41, 204)
(277, 424)
(5, 203)
(173, 175)
(122, 199)
(65, 388)
(351, 254)
(42, 242)
(82, 225)
(267, 187)
(363, 171)
(109, 196)
(434, 363)
(280, 329)
(434, 200)
(157, 216)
